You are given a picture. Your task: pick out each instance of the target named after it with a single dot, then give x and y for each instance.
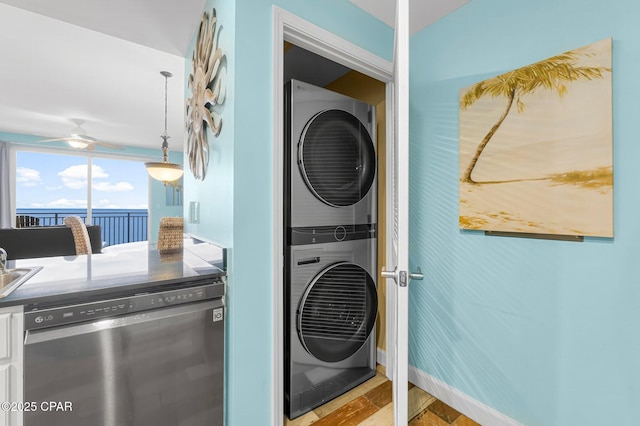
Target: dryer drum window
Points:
(337, 312)
(337, 158)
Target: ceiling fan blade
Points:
(108, 145)
(78, 138)
(53, 140)
(81, 137)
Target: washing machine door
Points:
(337, 312)
(337, 158)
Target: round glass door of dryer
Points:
(337, 158)
(337, 312)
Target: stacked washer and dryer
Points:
(330, 224)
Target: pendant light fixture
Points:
(164, 171)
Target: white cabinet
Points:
(11, 362)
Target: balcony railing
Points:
(117, 226)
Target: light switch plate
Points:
(194, 212)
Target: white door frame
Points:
(291, 28)
(400, 238)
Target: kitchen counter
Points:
(120, 269)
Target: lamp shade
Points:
(77, 143)
(165, 172)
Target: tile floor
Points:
(371, 404)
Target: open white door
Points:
(398, 270)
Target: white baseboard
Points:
(451, 396)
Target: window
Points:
(51, 186)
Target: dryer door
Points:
(337, 158)
(337, 312)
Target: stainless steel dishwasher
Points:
(146, 359)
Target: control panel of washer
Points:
(330, 234)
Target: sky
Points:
(54, 181)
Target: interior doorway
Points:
(360, 75)
(301, 64)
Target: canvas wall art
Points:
(536, 147)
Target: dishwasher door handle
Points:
(70, 330)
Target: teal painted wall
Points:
(158, 207)
(215, 192)
(253, 239)
(542, 331)
(236, 196)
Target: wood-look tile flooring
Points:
(371, 404)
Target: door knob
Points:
(402, 275)
(390, 274)
(418, 275)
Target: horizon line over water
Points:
(57, 209)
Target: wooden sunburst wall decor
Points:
(208, 89)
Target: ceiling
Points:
(165, 25)
(421, 12)
(100, 61)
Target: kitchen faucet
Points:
(3, 261)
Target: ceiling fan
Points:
(79, 139)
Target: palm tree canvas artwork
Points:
(536, 150)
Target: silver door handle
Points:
(418, 275)
(390, 274)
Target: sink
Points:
(6, 279)
(13, 278)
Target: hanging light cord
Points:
(165, 143)
(166, 84)
(165, 171)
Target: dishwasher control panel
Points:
(43, 318)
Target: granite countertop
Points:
(117, 270)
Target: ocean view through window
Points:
(51, 186)
(116, 226)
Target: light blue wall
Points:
(158, 207)
(235, 197)
(215, 192)
(543, 331)
(250, 378)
